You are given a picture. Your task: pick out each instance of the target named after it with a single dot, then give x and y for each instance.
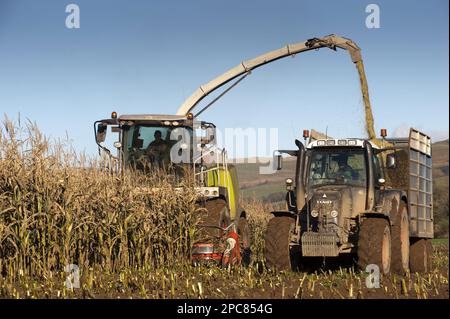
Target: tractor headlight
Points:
(314, 213)
(334, 213)
(289, 183)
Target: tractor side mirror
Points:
(279, 162)
(100, 135)
(390, 160)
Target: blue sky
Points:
(148, 56)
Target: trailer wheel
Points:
(421, 255)
(277, 249)
(216, 215)
(400, 241)
(374, 244)
(244, 240)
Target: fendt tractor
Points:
(355, 197)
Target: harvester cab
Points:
(370, 199)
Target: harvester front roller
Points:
(218, 240)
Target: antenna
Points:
(326, 132)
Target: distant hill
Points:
(271, 187)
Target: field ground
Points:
(214, 282)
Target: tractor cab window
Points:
(338, 167)
(151, 147)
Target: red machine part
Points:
(232, 254)
(211, 252)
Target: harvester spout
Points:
(331, 41)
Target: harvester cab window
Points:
(337, 167)
(148, 147)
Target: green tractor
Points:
(352, 197)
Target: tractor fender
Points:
(390, 203)
(374, 214)
(283, 214)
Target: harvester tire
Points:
(374, 244)
(216, 214)
(400, 241)
(244, 240)
(277, 250)
(421, 255)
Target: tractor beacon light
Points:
(305, 134)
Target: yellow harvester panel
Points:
(226, 178)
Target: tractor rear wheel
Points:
(374, 244)
(421, 255)
(400, 241)
(277, 251)
(244, 240)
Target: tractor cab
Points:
(341, 165)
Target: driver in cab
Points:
(158, 150)
(344, 170)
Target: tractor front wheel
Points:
(277, 251)
(374, 244)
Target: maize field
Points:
(61, 208)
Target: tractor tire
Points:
(421, 252)
(216, 214)
(400, 241)
(244, 240)
(374, 244)
(277, 250)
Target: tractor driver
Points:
(345, 171)
(158, 150)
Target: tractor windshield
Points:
(149, 147)
(337, 167)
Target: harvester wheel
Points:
(420, 255)
(217, 214)
(374, 244)
(244, 240)
(400, 241)
(277, 251)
